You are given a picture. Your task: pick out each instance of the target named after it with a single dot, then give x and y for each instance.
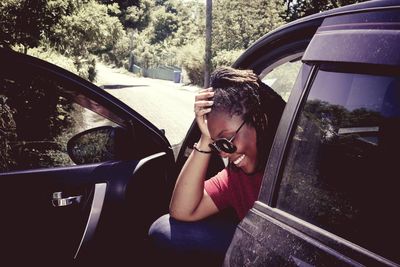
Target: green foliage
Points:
(26, 22)
(88, 29)
(51, 55)
(302, 8)
(164, 24)
(138, 16)
(158, 30)
(172, 27)
(113, 9)
(225, 57)
(75, 29)
(24, 31)
(245, 22)
(119, 53)
(191, 22)
(87, 68)
(143, 52)
(84, 67)
(175, 33)
(191, 58)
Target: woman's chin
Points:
(247, 167)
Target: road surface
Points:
(166, 104)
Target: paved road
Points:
(166, 104)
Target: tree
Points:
(191, 22)
(137, 16)
(191, 58)
(164, 24)
(245, 22)
(172, 26)
(302, 8)
(22, 22)
(88, 29)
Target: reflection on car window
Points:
(282, 78)
(37, 118)
(341, 170)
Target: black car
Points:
(74, 193)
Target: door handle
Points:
(59, 201)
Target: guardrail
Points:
(169, 73)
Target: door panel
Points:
(45, 233)
(51, 207)
(39, 230)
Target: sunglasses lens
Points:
(225, 146)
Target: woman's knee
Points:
(160, 230)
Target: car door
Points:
(329, 190)
(82, 175)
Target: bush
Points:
(191, 58)
(84, 67)
(144, 53)
(52, 56)
(226, 58)
(119, 54)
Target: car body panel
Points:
(269, 236)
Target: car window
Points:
(37, 118)
(282, 77)
(341, 167)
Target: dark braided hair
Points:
(241, 93)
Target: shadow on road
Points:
(121, 86)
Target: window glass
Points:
(37, 118)
(282, 78)
(341, 168)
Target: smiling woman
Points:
(237, 118)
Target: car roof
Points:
(360, 37)
(306, 27)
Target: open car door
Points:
(82, 175)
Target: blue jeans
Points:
(201, 243)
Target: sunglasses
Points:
(224, 144)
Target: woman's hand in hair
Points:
(202, 106)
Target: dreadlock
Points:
(241, 93)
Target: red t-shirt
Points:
(234, 188)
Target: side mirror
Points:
(97, 145)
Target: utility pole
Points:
(207, 64)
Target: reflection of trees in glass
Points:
(7, 135)
(330, 118)
(94, 147)
(43, 119)
(324, 168)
